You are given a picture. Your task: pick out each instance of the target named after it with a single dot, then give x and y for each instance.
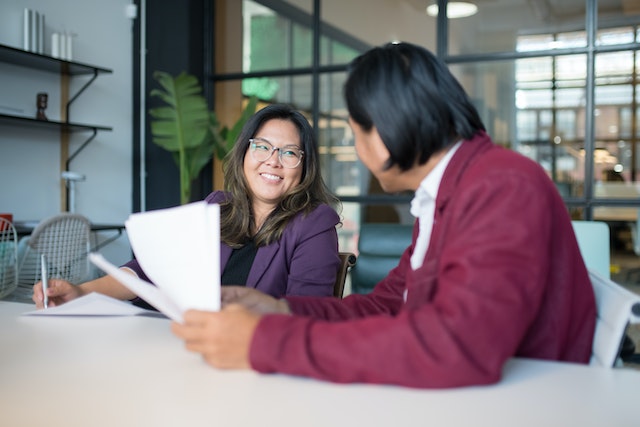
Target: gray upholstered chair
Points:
(380, 247)
(616, 306)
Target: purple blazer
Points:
(304, 261)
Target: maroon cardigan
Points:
(503, 277)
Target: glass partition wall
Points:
(555, 80)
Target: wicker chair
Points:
(8, 258)
(64, 240)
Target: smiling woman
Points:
(267, 177)
(277, 217)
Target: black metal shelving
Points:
(62, 67)
(10, 120)
(37, 61)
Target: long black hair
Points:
(410, 96)
(237, 216)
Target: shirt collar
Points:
(428, 189)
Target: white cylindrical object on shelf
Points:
(63, 45)
(41, 34)
(55, 45)
(69, 49)
(33, 42)
(26, 29)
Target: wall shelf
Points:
(37, 61)
(66, 70)
(19, 121)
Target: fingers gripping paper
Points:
(179, 250)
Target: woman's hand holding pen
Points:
(58, 292)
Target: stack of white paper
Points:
(179, 249)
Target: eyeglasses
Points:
(261, 150)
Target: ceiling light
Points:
(455, 9)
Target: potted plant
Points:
(186, 128)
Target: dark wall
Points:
(178, 38)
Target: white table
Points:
(131, 371)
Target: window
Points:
(526, 65)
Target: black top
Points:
(237, 269)
(235, 272)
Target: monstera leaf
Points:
(186, 128)
(182, 126)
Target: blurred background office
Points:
(556, 80)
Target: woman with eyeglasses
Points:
(277, 217)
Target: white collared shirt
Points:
(423, 206)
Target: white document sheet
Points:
(179, 250)
(144, 290)
(92, 304)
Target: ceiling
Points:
(496, 21)
(550, 10)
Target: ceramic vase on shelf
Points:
(33, 31)
(62, 45)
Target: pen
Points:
(45, 280)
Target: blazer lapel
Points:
(264, 257)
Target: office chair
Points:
(380, 247)
(594, 242)
(64, 240)
(8, 258)
(347, 261)
(616, 308)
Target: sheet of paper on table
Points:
(179, 250)
(144, 290)
(92, 304)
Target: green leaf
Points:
(185, 127)
(234, 132)
(197, 158)
(184, 122)
(182, 126)
(224, 138)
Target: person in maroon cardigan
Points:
(493, 271)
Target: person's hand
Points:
(254, 300)
(58, 291)
(222, 338)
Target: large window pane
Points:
(276, 39)
(342, 170)
(371, 23)
(498, 24)
(534, 105)
(615, 67)
(491, 87)
(334, 52)
(613, 36)
(614, 18)
(548, 127)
